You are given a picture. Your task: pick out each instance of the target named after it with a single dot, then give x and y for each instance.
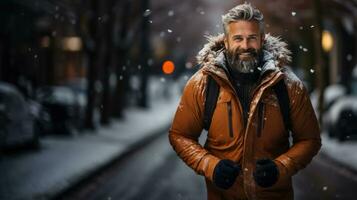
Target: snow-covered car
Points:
(80, 88)
(17, 121)
(61, 104)
(331, 94)
(341, 118)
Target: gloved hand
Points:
(266, 173)
(225, 173)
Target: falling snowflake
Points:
(169, 30)
(324, 188)
(162, 79)
(150, 62)
(171, 13)
(312, 26)
(162, 34)
(139, 67)
(301, 28)
(35, 56)
(150, 21)
(188, 65)
(349, 57)
(293, 14)
(312, 71)
(202, 12)
(305, 49)
(121, 77)
(147, 12)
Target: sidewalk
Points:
(64, 161)
(341, 152)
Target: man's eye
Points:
(237, 39)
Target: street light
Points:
(72, 43)
(168, 67)
(327, 41)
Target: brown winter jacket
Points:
(228, 138)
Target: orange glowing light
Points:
(168, 67)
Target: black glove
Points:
(225, 173)
(266, 173)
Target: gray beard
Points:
(246, 66)
(242, 66)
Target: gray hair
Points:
(243, 12)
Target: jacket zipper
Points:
(230, 125)
(261, 113)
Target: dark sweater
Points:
(244, 85)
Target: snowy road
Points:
(155, 172)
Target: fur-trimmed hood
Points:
(276, 53)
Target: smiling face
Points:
(243, 42)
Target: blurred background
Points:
(88, 89)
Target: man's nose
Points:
(244, 45)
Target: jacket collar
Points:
(212, 59)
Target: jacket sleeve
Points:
(305, 132)
(187, 127)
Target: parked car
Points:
(80, 86)
(61, 104)
(331, 94)
(17, 119)
(341, 118)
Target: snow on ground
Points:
(343, 152)
(62, 161)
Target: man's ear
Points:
(225, 41)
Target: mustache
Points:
(251, 51)
(233, 55)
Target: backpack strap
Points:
(212, 91)
(284, 102)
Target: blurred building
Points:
(339, 39)
(39, 41)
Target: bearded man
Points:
(247, 154)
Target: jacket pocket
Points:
(230, 124)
